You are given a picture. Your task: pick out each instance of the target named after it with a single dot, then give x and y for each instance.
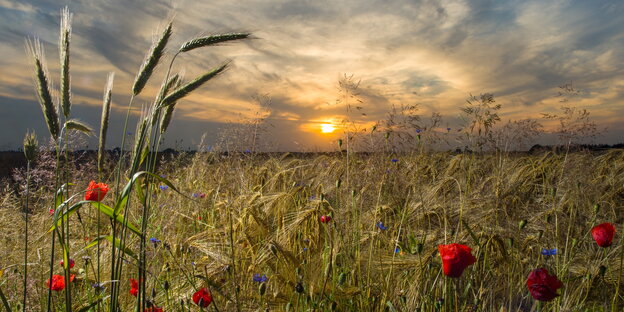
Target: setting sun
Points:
(327, 128)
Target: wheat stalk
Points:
(153, 57)
(44, 96)
(65, 38)
(211, 40)
(108, 91)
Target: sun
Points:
(327, 128)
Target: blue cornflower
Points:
(162, 176)
(448, 129)
(164, 187)
(397, 250)
(305, 248)
(98, 287)
(128, 133)
(394, 160)
(155, 241)
(247, 151)
(418, 130)
(549, 252)
(313, 197)
(381, 226)
(260, 278)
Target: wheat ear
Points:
(108, 91)
(65, 38)
(43, 83)
(152, 59)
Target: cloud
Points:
(432, 53)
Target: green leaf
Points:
(7, 307)
(115, 243)
(125, 194)
(102, 208)
(60, 194)
(92, 304)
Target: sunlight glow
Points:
(327, 128)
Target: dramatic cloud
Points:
(431, 53)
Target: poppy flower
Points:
(58, 282)
(543, 286)
(153, 309)
(325, 219)
(71, 263)
(603, 234)
(134, 287)
(202, 298)
(96, 191)
(455, 259)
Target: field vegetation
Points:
(370, 227)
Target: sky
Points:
(432, 54)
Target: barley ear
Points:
(211, 40)
(191, 86)
(152, 59)
(31, 146)
(168, 114)
(172, 83)
(65, 38)
(43, 86)
(108, 91)
(75, 124)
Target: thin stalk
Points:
(26, 211)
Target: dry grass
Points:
(261, 215)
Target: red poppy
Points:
(603, 234)
(134, 287)
(325, 219)
(96, 191)
(58, 282)
(202, 298)
(543, 286)
(71, 263)
(455, 259)
(154, 309)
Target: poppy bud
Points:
(325, 218)
(288, 305)
(338, 183)
(596, 208)
(328, 269)
(262, 288)
(603, 270)
(387, 135)
(342, 278)
(166, 285)
(333, 306)
(522, 224)
(299, 287)
(339, 142)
